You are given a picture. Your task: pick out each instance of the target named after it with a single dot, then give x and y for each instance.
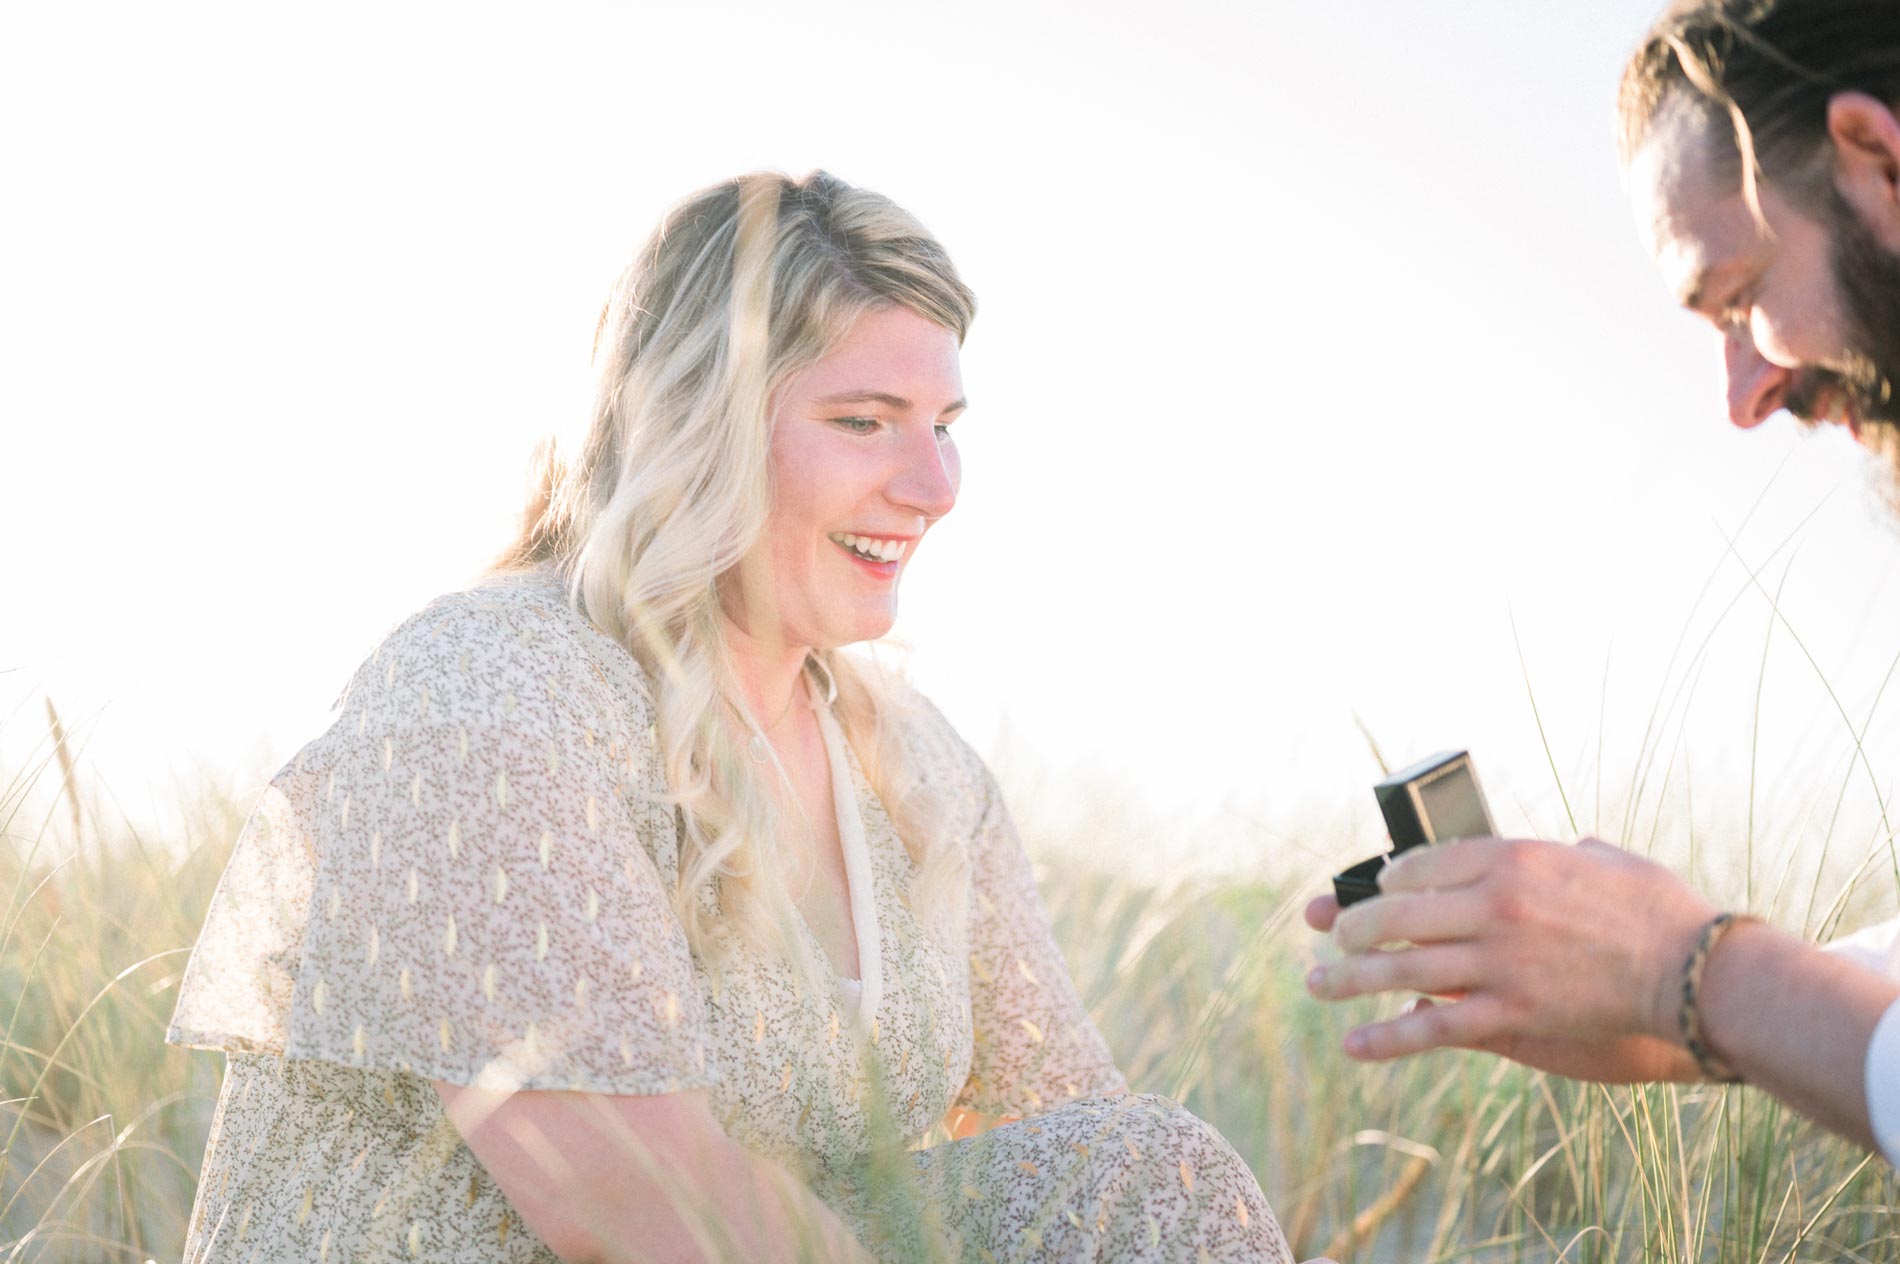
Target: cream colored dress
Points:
(466, 879)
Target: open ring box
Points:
(1434, 800)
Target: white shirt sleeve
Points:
(1877, 948)
(1883, 1084)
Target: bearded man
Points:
(1762, 150)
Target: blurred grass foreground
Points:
(1197, 986)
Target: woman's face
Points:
(862, 465)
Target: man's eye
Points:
(943, 431)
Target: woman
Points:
(620, 915)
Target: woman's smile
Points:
(862, 460)
(872, 548)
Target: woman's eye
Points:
(943, 432)
(857, 425)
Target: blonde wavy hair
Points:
(742, 285)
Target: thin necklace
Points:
(756, 745)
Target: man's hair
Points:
(1766, 67)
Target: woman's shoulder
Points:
(510, 651)
(504, 662)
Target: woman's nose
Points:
(927, 480)
(1756, 386)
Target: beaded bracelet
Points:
(1689, 1017)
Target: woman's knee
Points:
(1175, 1144)
(1165, 1122)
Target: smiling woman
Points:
(860, 476)
(622, 914)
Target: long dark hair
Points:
(1767, 67)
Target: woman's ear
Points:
(1866, 138)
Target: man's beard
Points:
(1867, 376)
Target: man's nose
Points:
(927, 481)
(1756, 387)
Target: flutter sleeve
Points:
(456, 881)
(1034, 1043)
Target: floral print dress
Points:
(467, 879)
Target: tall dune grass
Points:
(1197, 987)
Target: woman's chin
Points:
(867, 626)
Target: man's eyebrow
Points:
(1693, 291)
(880, 397)
(1708, 279)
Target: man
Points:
(1762, 149)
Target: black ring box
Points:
(1432, 801)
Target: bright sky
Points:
(1316, 346)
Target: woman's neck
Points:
(767, 673)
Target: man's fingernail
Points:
(1316, 979)
(1355, 1043)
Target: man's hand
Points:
(1561, 957)
(1320, 912)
